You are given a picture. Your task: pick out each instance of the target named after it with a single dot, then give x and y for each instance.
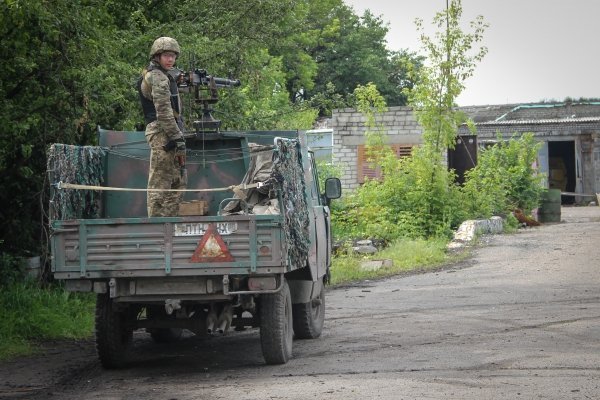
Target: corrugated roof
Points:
(534, 112)
(540, 121)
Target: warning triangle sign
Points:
(211, 248)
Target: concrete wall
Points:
(349, 132)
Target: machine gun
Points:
(204, 88)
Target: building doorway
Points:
(561, 168)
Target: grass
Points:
(406, 255)
(31, 313)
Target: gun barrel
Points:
(225, 82)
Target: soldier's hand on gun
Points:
(180, 147)
(177, 144)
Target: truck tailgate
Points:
(174, 246)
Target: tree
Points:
(357, 55)
(332, 50)
(451, 59)
(48, 49)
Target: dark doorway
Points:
(561, 168)
(463, 157)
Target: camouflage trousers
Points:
(164, 174)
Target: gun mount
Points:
(205, 90)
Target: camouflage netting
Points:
(289, 174)
(280, 171)
(80, 165)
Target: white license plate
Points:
(199, 228)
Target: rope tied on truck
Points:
(66, 185)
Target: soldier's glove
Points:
(177, 144)
(180, 146)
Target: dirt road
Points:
(520, 319)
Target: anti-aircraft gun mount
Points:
(205, 90)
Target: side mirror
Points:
(333, 189)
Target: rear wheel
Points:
(309, 317)
(276, 326)
(113, 335)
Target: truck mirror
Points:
(333, 188)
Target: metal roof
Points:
(540, 121)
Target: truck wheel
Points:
(276, 326)
(113, 337)
(309, 317)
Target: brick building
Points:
(569, 132)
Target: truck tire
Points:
(276, 326)
(309, 317)
(113, 337)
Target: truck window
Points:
(315, 189)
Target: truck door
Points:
(320, 214)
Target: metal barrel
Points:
(549, 210)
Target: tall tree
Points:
(452, 55)
(334, 50)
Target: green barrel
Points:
(549, 210)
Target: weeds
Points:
(31, 313)
(406, 255)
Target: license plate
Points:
(199, 228)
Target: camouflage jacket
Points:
(160, 100)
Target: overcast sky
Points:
(538, 49)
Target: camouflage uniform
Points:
(162, 105)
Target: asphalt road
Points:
(519, 319)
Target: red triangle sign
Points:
(211, 248)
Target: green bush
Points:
(505, 178)
(417, 196)
(11, 269)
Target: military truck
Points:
(251, 246)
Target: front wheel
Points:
(309, 317)
(276, 326)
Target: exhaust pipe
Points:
(211, 320)
(225, 319)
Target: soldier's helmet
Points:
(163, 44)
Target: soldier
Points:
(162, 113)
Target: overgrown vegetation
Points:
(417, 196)
(505, 178)
(405, 254)
(31, 313)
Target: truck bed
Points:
(167, 247)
